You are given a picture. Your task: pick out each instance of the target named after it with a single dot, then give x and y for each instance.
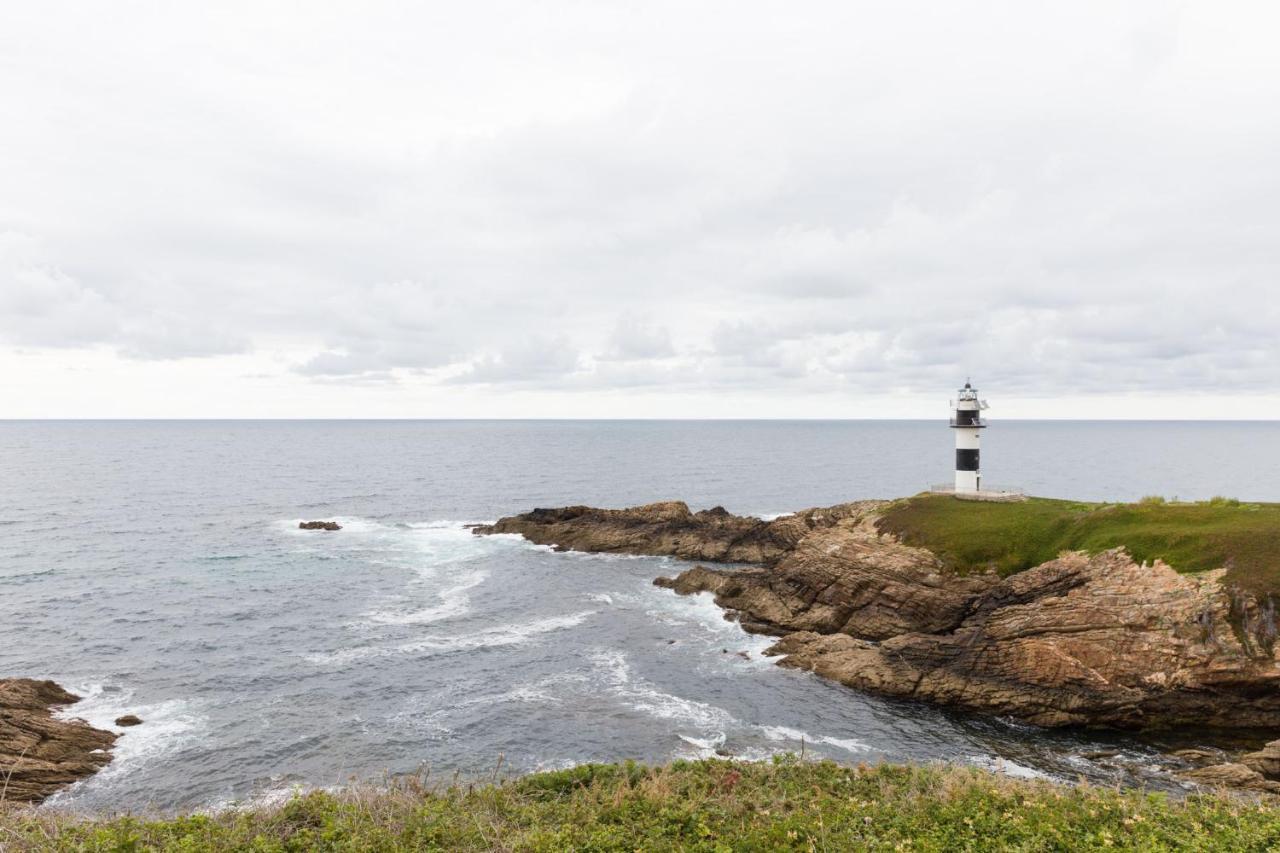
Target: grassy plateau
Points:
(696, 806)
(1010, 537)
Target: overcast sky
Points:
(647, 209)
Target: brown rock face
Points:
(1079, 640)
(38, 753)
(1231, 775)
(844, 578)
(669, 529)
(128, 720)
(319, 525)
(1265, 761)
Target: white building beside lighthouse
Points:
(967, 423)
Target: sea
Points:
(156, 568)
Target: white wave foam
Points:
(644, 697)
(1007, 767)
(166, 726)
(454, 602)
(600, 598)
(707, 744)
(506, 635)
(269, 798)
(784, 733)
(700, 610)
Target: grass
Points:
(1011, 537)
(694, 806)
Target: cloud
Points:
(1062, 201)
(638, 338)
(535, 358)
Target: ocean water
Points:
(156, 568)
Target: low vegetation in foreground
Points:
(1011, 537)
(704, 805)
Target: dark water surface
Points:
(156, 568)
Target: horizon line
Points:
(123, 419)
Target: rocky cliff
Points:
(670, 529)
(38, 752)
(1079, 640)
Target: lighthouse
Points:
(968, 423)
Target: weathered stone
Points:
(1231, 775)
(128, 720)
(1078, 640)
(319, 525)
(845, 578)
(1266, 760)
(670, 529)
(38, 752)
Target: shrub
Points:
(695, 806)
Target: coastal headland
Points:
(1152, 615)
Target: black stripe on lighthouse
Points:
(966, 460)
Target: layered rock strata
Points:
(40, 753)
(1079, 640)
(670, 529)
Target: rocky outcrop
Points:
(671, 529)
(1252, 771)
(844, 578)
(319, 525)
(1079, 640)
(1265, 761)
(40, 753)
(1097, 640)
(1231, 775)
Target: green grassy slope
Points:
(698, 806)
(1010, 537)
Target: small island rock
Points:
(319, 525)
(128, 720)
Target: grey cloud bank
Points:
(531, 209)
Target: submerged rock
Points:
(128, 720)
(39, 753)
(319, 525)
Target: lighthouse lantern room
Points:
(968, 423)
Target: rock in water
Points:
(39, 753)
(128, 720)
(319, 525)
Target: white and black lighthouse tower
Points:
(968, 423)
